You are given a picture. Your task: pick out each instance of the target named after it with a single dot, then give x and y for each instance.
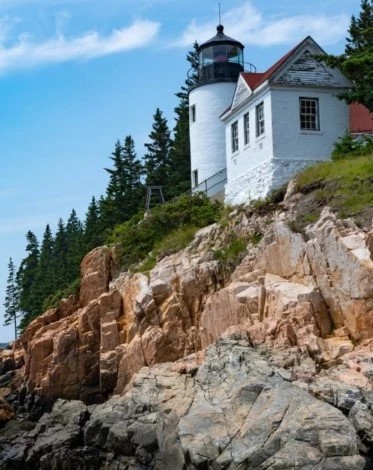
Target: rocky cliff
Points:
(289, 385)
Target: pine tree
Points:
(11, 303)
(180, 152)
(60, 254)
(75, 246)
(124, 191)
(131, 182)
(93, 234)
(157, 158)
(45, 281)
(357, 61)
(26, 280)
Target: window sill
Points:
(247, 146)
(261, 137)
(311, 132)
(235, 154)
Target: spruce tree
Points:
(157, 157)
(11, 302)
(132, 187)
(180, 152)
(357, 61)
(124, 192)
(75, 246)
(93, 235)
(26, 280)
(46, 282)
(60, 254)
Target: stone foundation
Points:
(258, 182)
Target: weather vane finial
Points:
(219, 13)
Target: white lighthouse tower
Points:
(220, 63)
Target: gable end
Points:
(306, 70)
(242, 92)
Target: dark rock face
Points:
(235, 412)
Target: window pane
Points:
(220, 54)
(260, 119)
(309, 114)
(207, 56)
(246, 128)
(234, 137)
(232, 53)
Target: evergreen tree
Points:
(157, 157)
(75, 246)
(124, 191)
(357, 61)
(93, 234)
(113, 207)
(180, 152)
(60, 254)
(131, 181)
(46, 276)
(26, 280)
(11, 298)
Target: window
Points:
(193, 113)
(195, 178)
(260, 119)
(246, 128)
(234, 136)
(309, 114)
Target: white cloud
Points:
(26, 53)
(248, 24)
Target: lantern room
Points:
(221, 59)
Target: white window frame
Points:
(260, 124)
(234, 136)
(246, 128)
(309, 109)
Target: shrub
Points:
(54, 299)
(140, 235)
(233, 253)
(349, 147)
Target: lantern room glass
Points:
(221, 53)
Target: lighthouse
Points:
(220, 63)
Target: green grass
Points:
(171, 243)
(346, 186)
(232, 253)
(178, 220)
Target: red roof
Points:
(361, 120)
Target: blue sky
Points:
(76, 75)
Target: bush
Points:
(54, 299)
(233, 253)
(349, 147)
(140, 235)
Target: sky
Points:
(76, 75)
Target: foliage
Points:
(11, 302)
(53, 300)
(350, 147)
(357, 60)
(124, 193)
(157, 157)
(344, 185)
(26, 275)
(269, 203)
(140, 235)
(233, 253)
(174, 242)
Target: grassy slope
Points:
(344, 185)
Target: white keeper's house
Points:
(251, 132)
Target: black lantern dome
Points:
(221, 59)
